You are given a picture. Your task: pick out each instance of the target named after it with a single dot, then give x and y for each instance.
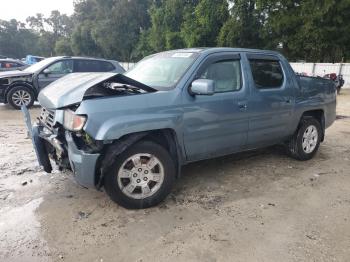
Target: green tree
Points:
(110, 28)
(119, 32)
(243, 28)
(201, 27)
(50, 30)
(36, 22)
(9, 39)
(63, 47)
(82, 41)
(167, 18)
(310, 30)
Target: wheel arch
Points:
(18, 84)
(165, 137)
(318, 114)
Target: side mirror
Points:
(46, 71)
(202, 87)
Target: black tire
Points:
(295, 145)
(143, 147)
(18, 89)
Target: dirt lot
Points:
(256, 206)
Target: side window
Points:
(106, 66)
(61, 67)
(226, 74)
(17, 65)
(90, 66)
(80, 66)
(13, 64)
(266, 73)
(7, 64)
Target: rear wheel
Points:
(19, 96)
(141, 177)
(306, 140)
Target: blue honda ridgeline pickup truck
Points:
(131, 133)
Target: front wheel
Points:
(306, 140)
(140, 177)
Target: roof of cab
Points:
(210, 50)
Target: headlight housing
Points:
(73, 122)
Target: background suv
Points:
(21, 87)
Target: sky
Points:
(21, 9)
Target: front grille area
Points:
(47, 117)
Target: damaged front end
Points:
(59, 135)
(70, 150)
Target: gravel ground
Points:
(255, 206)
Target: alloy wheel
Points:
(310, 137)
(140, 176)
(21, 97)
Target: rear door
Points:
(218, 124)
(271, 101)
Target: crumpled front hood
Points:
(71, 89)
(14, 73)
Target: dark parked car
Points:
(11, 64)
(132, 133)
(22, 87)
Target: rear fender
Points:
(319, 116)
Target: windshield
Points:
(40, 65)
(162, 71)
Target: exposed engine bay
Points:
(118, 85)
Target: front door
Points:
(54, 72)
(216, 125)
(271, 100)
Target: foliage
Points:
(311, 30)
(167, 18)
(244, 27)
(50, 30)
(110, 28)
(127, 30)
(201, 27)
(63, 47)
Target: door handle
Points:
(242, 106)
(288, 101)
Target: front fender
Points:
(109, 118)
(116, 127)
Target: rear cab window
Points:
(266, 71)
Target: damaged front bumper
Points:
(82, 164)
